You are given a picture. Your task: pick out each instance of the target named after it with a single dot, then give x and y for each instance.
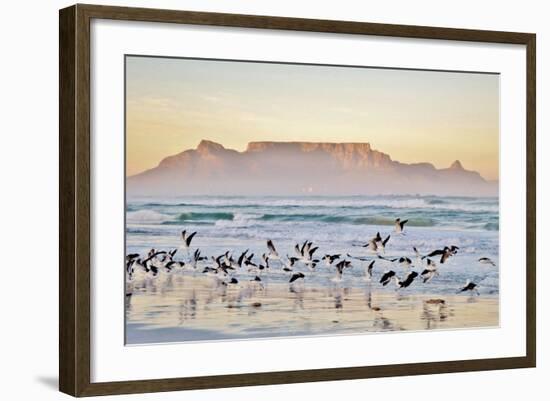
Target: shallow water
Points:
(191, 307)
(188, 306)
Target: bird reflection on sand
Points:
(188, 307)
(434, 311)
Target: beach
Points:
(189, 305)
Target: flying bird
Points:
(343, 264)
(427, 275)
(296, 276)
(486, 261)
(382, 244)
(265, 259)
(330, 259)
(273, 254)
(368, 272)
(429, 272)
(241, 258)
(174, 264)
(305, 253)
(376, 243)
(405, 262)
(197, 257)
(187, 238)
(372, 244)
(445, 253)
(400, 225)
(340, 266)
(301, 251)
(408, 280)
(386, 277)
(248, 261)
(152, 256)
(289, 264)
(469, 286)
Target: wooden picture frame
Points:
(75, 207)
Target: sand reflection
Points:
(192, 307)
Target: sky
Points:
(414, 116)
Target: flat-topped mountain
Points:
(301, 168)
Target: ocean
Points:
(337, 225)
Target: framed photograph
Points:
(250, 200)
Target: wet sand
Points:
(194, 307)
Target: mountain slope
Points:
(298, 168)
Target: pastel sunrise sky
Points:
(414, 116)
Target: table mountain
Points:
(301, 168)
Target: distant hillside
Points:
(299, 168)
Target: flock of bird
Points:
(228, 270)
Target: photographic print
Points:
(269, 199)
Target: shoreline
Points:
(183, 308)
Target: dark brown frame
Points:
(74, 199)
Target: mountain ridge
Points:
(295, 168)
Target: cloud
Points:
(211, 98)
